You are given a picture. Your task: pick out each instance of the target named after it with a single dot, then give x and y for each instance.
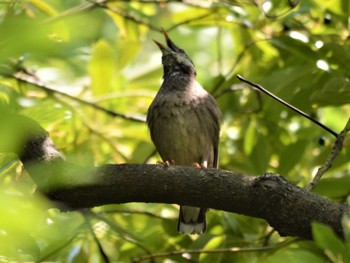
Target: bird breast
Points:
(181, 125)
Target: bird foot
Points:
(202, 165)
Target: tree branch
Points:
(29, 78)
(338, 145)
(286, 207)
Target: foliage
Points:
(101, 53)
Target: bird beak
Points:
(171, 47)
(162, 48)
(165, 50)
(169, 42)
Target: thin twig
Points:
(69, 241)
(219, 49)
(89, 5)
(196, 4)
(98, 243)
(85, 7)
(187, 21)
(94, 131)
(338, 145)
(291, 5)
(33, 80)
(150, 155)
(230, 89)
(123, 234)
(130, 211)
(232, 69)
(107, 140)
(234, 88)
(288, 105)
(215, 251)
(127, 16)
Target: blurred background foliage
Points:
(87, 72)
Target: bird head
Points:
(174, 59)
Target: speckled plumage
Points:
(184, 124)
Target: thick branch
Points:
(286, 207)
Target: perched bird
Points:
(183, 120)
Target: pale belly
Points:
(181, 134)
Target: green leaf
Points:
(290, 156)
(335, 91)
(326, 239)
(260, 156)
(250, 138)
(44, 7)
(170, 227)
(187, 14)
(213, 243)
(24, 214)
(293, 255)
(102, 68)
(297, 48)
(346, 229)
(333, 187)
(7, 163)
(129, 42)
(340, 7)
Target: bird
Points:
(184, 124)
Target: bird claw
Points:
(196, 165)
(202, 165)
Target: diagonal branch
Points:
(262, 89)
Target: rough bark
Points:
(286, 207)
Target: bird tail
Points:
(192, 220)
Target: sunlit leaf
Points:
(340, 7)
(44, 7)
(16, 234)
(250, 138)
(102, 68)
